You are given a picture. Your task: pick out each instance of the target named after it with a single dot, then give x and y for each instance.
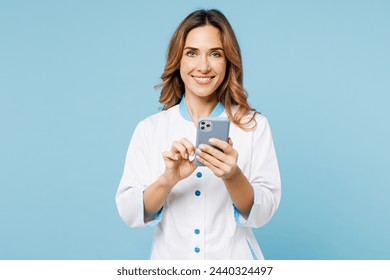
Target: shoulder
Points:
(146, 128)
(261, 120)
(262, 124)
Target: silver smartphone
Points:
(211, 128)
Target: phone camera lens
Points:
(202, 127)
(208, 125)
(202, 123)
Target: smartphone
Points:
(211, 128)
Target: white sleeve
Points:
(135, 179)
(264, 178)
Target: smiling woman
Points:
(207, 213)
(203, 66)
(218, 29)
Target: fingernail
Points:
(211, 140)
(186, 156)
(201, 146)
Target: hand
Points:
(223, 164)
(177, 163)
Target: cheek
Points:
(187, 65)
(183, 69)
(221, 70)
(181, 73)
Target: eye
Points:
(216, 54)
(190, 53)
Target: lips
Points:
(202, 79)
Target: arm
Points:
(135, 178)
(139, 200)
(177, 167)
(224, 165)
(154, 198)
(241, 192)
(256, 197)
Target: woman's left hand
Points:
(223, 164)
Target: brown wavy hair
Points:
(231, 92)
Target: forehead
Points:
(206, 36)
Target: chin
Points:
(204, 94)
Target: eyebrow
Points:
(212, 49)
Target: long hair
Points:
(231, 92)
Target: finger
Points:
(212, 151)
(170, 155)
(179, 148)
(216, 170)
(220, 169)
(224, 146)
(228, 160)
(230, 142)
(212, 159)
(188, 145)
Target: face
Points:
(203, 63)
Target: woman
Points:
(201, 212)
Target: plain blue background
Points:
(77, 76)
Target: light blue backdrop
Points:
(77, 76)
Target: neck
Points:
(200, 107)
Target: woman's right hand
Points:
(177, 167)
(177, 162)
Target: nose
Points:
(203, 65)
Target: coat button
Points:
(199, 174)
(197, 250)
(197, 193)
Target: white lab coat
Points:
(198, 219)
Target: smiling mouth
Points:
(202, 80)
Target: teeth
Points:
(202, 79)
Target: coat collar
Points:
(218, 110)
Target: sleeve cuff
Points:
(240, 220)
(156, 220)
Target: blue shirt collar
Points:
(218, 110)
